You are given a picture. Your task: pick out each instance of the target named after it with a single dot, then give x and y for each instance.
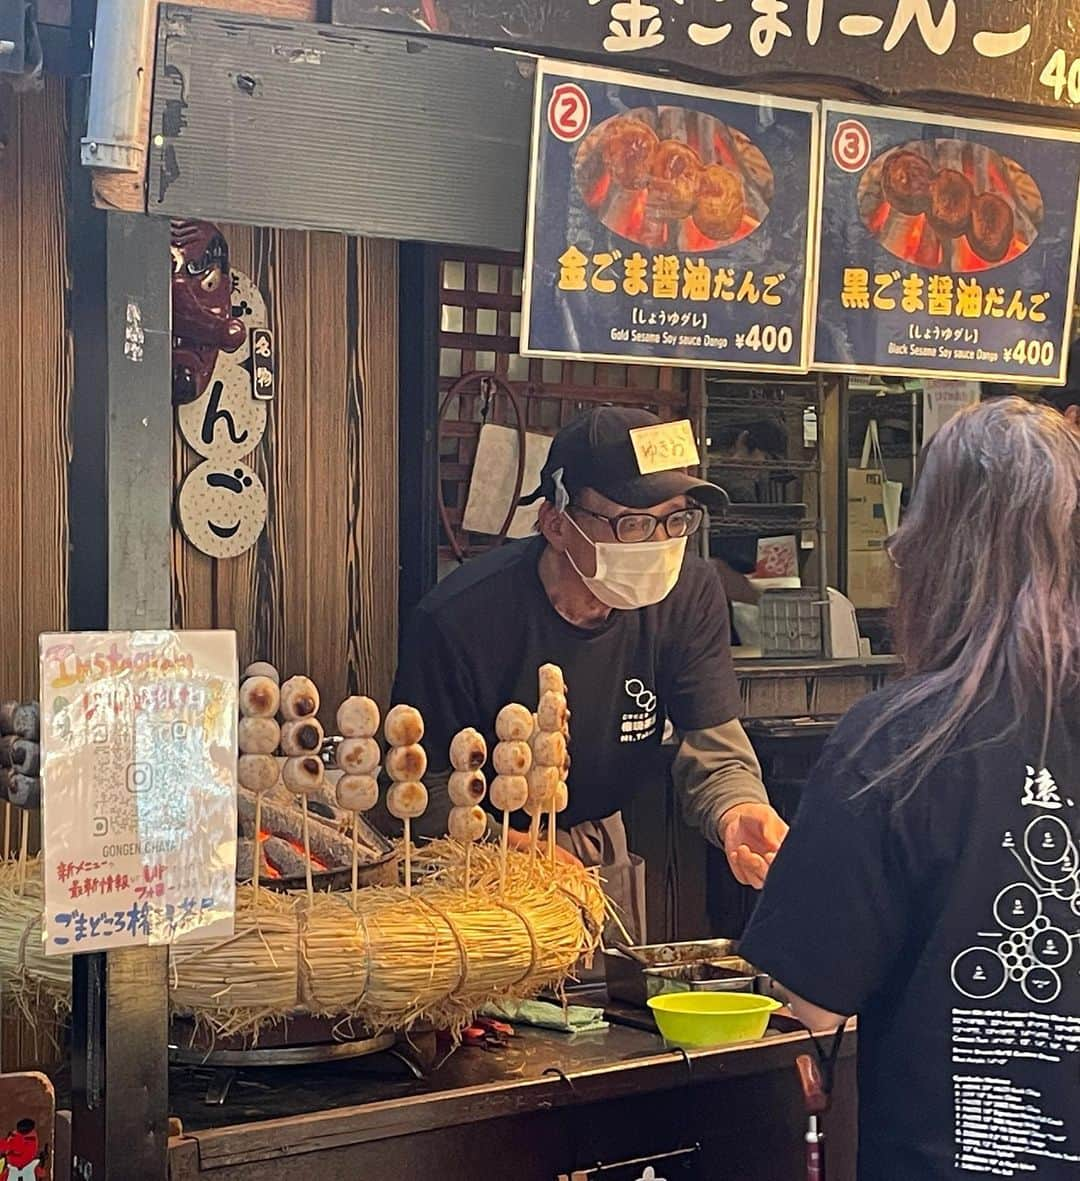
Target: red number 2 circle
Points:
(851, 146)
(568, 112)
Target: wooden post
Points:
(120, 1000)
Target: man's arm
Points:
(718, 779)
(814, 1017)
(737, 587)
(714, 770)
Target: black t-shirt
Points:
(477, 640)
(950, 922)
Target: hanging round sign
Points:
(248, 306)
(226, 422)
(222, 508)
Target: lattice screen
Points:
(480, 300)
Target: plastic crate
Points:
(790, 623)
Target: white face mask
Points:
(629, 576)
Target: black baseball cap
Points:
(595, 451)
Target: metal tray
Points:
(711, 965)
(733, 975)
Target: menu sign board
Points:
(668, 223)
(138, 738)
(1023, 51)
(948, 246)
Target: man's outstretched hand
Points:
(751, 835)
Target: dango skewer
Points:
(467, 787)
(358, 721)
(407, 799)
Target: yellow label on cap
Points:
(663, 447)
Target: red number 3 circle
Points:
(568, 112)
(851, 146)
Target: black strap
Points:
(827, 1061)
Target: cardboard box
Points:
(870, 577)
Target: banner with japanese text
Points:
(948, 246)
(1018, 51)
(668, 224)
(138, 787)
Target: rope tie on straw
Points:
(304, 993)
(20, 955)
(463, 950)
(534, 946)
(366, 934)
(582, 905)
(22, 975)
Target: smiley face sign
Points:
(222, 508)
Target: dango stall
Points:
(398, 1004)
(409, 935)
(352, 1017)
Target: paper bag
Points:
(890, 489)
(493, 488)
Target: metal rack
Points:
(795, 496)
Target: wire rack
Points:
(789, 486)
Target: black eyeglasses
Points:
(632, 527)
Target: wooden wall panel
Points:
(373, 452)
(35, 381)
(318, 593)
(327, 522)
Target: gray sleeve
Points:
(714, 770)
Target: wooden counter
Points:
(544, 1106)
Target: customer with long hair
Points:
(931, 880)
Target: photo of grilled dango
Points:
(950, 204)
(674, 180)
(951, 198)
(720, 202)
(992, 226)
(628, 152)
(673, 177)
(905, 181)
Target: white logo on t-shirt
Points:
(640, 723)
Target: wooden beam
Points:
(125, 192)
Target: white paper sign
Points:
(941, 400)
(665, 447)
(138, 770)
(494, 481)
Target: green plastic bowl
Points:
(697, 1019)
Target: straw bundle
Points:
(38, 988)
(443, 953)
(437, 954)
(237, 983)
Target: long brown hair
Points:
(988, 576)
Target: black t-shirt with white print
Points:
(950, 922)
(476, 642)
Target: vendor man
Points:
(641, 632)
